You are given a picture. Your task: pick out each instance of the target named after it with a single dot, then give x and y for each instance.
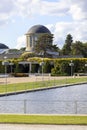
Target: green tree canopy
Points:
(77, 48)
(66, 50)
(85, 49)
(44, 43)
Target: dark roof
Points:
(39, 29)
(3, 46)
(10, 56)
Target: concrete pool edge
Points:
(40, 89)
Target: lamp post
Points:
(41, 64)
(11, 64)
(86, 66)
(5, 63)
(71, 64)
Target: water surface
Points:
(66, 100)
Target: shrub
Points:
(26, 55)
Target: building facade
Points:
(33, 34)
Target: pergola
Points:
(29, 63)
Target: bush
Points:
(59, 66)
(47, 67)
(62, 67)
(27, 55)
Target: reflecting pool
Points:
(65, 100)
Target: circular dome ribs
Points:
(38, 29)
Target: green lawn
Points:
(44, 119)
(40, 84)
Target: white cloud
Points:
(29, 8)
(78, 30)
(21, 42)
(7, 8)
(78, 9)
(54, 8)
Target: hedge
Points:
(55, 66)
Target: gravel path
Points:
(11, 80)
(41, 127)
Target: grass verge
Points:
(40, 84)
(44, 119)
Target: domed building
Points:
(33, 34)
(3, 48)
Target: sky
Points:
(61, 17)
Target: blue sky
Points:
(60, 16)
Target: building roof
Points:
(3, 46)
(38, 29)
(10, 56)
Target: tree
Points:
(44, 43)
(23, 49)
(55, 48)
(77, 48)
(85, 50)
(66, 50)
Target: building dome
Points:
(3, 46)
(38, 29)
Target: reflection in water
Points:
(67, 100)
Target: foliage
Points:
(16, 69)
(44, 44)
(22, 49)
(47, 67)
(1, 67)
(58, 66)
(85, 49)
(26, 55)
(13, 50)
(62, 67)
(34, 68)
(77, 48)
(66, 50)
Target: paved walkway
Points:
(41, 127)
(32, 78)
